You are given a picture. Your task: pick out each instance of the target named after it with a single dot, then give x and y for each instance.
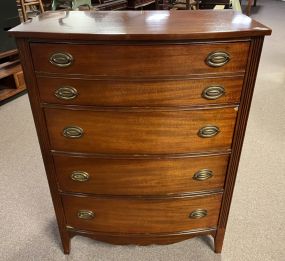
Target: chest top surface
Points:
(140, 25)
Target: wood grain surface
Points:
(140, 143)
(140, 93)
(142, 239)
(140, 176)
(140, 25)
(246, 97)
(131, 132)
(141, 216)
(143, 60)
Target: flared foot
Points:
(219, 240)
(65, 239)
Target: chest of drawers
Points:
(141, 118)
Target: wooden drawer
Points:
(140, 93)
(139, 132)
(139, 60)
(132, 215)
(146, 176)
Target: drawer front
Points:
(140, 93)
(147, 177)
(140, 132)
(141, 216)
(139, 60)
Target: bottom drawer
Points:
(132, 215)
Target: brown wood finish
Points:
(131, 132)
(137, 25)
(38, 114)
(140, 93)
(148, 134)
(141, 239)
(140, 60)
(140, 176)
(255, 52)
(11, 75)
(141, 215)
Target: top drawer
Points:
(140, 60)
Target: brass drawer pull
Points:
(208, 131)
(66, 93)
(85, 214)
(203, 174)
(217, 59)
(79, 175)
(61, 59)
(213, 92)
(198, 213)
(72, 132)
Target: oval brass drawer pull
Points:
(208, 131)
(217, 59)
(203, 174)
(72, 132)
(198, 213)
(61, 59)
(79, 175)
(213, 92)
(85, 214)
(66, 93)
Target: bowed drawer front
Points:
(140, 132)
(190, 92)
(140, 60)
(141, 118)
(142, 216)
(146, 176)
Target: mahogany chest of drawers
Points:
(141, 118)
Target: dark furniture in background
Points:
(141, 123)
(249, 4)
(135, 4)
(111, 5)
(11, 75)
(209, 4)
(9, 18)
